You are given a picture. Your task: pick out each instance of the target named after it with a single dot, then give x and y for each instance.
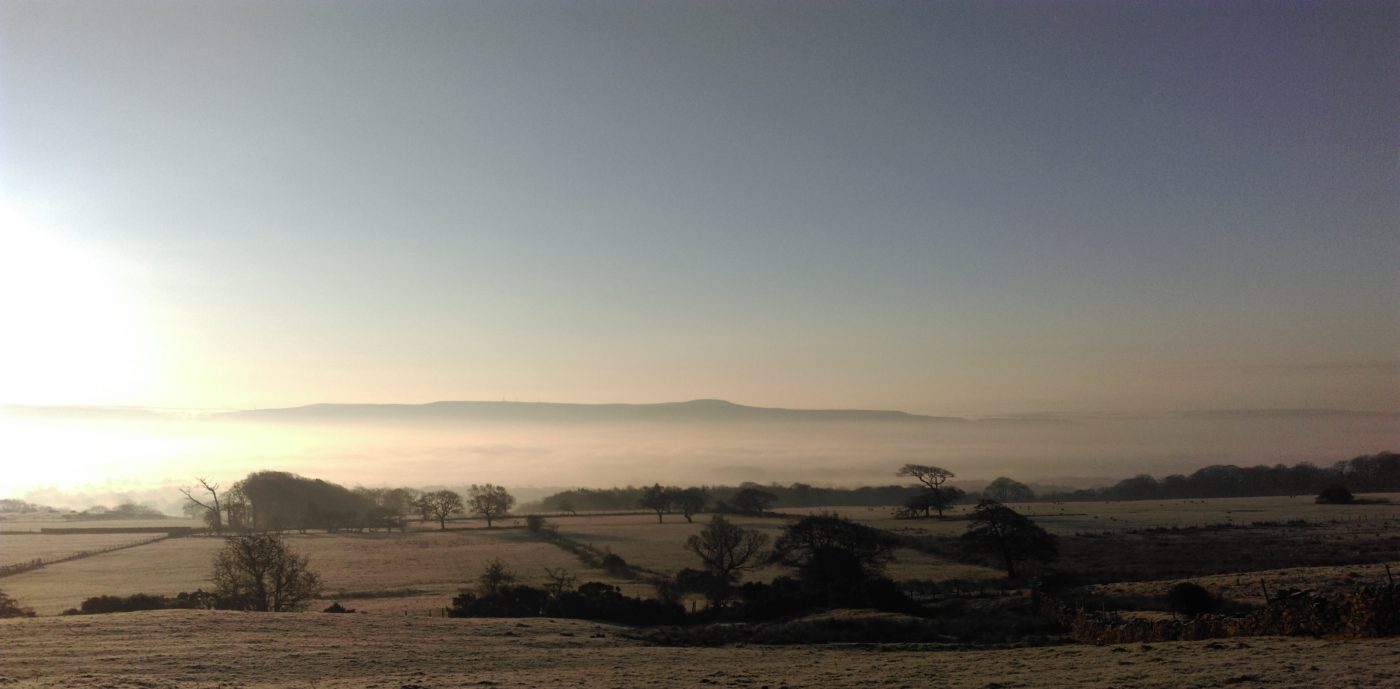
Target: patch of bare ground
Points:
(168, 649)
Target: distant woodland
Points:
(1378, 473)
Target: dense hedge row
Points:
(1369, 611)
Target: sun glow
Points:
(70, 332)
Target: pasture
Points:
(418, 571)
(16, 548)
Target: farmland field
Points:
(397, 580)
(420, 570)
(27, 523)
(18, 548)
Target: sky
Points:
(941, 207)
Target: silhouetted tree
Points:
(489, 501)
(439, 505)
(1335, 495)
(691, 501)
(828, 550)
(212, 509)
(1000, 531)
(656, 499)
(259, 572)
(726, 550)
(932, 478)
(753, 500)
(1004, 489)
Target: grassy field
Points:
(413, 572)
(19, 548)
(641, 541)
(399, 579)
(420, 570)
(185, 648)
(29, 523)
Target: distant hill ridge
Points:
(694, 411)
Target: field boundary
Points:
(38, 562)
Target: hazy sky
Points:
(948, 208)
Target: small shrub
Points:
(1191, 599)
(10, 607)
(535, 524)
(336, 607)
(613, 564)
(1335, 495)
(494, 578)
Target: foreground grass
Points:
(170, 649)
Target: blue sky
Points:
(951, 208)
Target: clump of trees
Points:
(751, 501)
(278, 500)
(258, 572)
(1008, 536)
(1003, 489)
(665, 500)
(12, 505)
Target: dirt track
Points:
(155, 650)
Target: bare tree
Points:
(259, 572)
(656, 499)
(726, 551)
(440, 505)
(690, 501)
(489, 501)
(213, 510)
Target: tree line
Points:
(619, 499)
(281, 501)
(1378, 473)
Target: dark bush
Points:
(9, 607)
(1335, 495)
(613, 564)
(534, 523)
(1191, 599)
(591, 601)
(336, 607)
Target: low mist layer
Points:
(77, 457)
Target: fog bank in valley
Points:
(76, 457)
